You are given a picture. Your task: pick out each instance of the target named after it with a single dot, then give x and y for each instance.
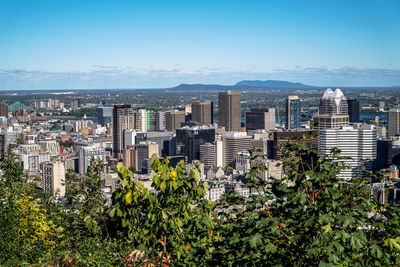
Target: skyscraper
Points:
(174, 120)
(137, 156)
(160, 121)
(123, 119)
(202, 112)
(161, 138)
(145, 150)
(333, 103)
(53, 178)
(151, 121)
(293, 109)
(333, 111)
(3, 110)
(208, 155)
(384, 153)
(359, 144)
(104, 115)
(393, 123)
(143, 116)
(129, 138)
(87, 153)
(189, 139)
(229, 110)
(2, 143)
(235, 142)
(353, 110)
(260, 119)
(75, 103)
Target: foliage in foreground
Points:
(309, 217)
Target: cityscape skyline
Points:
(206, 133)
(123, 44)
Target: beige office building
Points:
(174, 120)
(235, 142)
(53, 178)
(202, 112)
(208, 155)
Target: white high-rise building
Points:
(219, 151)
(129, 138)
(143, 120)
(31, 162)
(357, 143)
(87, 153)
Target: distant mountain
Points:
(245, 85)
(199, 87)
(274, 84)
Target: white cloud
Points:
(129, 77)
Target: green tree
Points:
(12, 169)
(170, 224)
(27, 234)
(86, 221)
(311, 218)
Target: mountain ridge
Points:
(274, 84)
(250, 85)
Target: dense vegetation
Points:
(308, 218)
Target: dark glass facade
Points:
(293, 109)
(188, 141)
(353, 110)
(104, 115)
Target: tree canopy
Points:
(309, 217)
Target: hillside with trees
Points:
(310, 217)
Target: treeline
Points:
(79, 113)
(309, 218)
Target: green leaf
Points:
(206, 186)
(119, 212)
(355, 242)
(164, 214)
(376, 251)
(255, 240)
(327, 227)
(393, 243)
(303, 199)
(163, 185)
(348, 221)
(175, 185)
(179, 222)
(112, 212)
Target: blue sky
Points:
(155, 44)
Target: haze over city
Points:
(160, 44)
